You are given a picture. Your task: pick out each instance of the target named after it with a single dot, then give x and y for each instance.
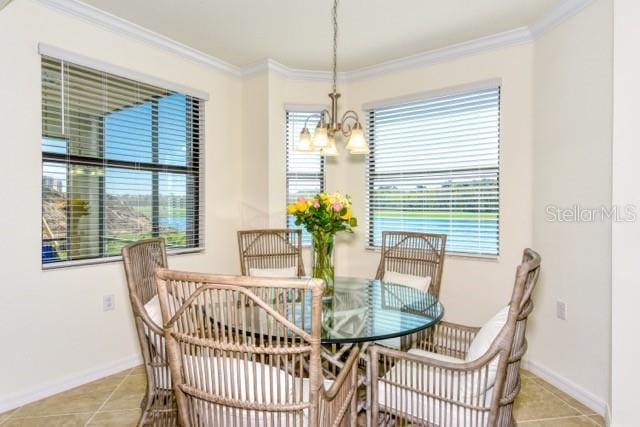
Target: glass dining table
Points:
(367, 310)
(364, 311)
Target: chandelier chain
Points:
(335, 44)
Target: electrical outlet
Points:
(561, 310)
(108, 302)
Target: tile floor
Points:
(115, 400)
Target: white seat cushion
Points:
(394, 343)
(157, 344)
(152, 308)
(446, 385)
(432, 355)
(418, 282)
(278, 273)
(483, 340)
(236, 381)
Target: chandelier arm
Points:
(346, 128)
(319, 115)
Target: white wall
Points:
(53, 328)
(625, 348)
(255, 152)
(572, 166)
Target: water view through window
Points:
(434, 167)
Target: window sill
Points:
(109, 260)
(461, 255)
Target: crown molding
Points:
(557, 15)
(121, 26)
(4, 3)
(514, 37)
(496, 41)
(523, 35)
(284, 71)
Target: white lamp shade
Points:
(330, 150)
(357, 144)
(320, 137)
(304, 143)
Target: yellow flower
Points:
(292, 208)
(347, 215)
(301, 205)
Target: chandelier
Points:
(328, 126)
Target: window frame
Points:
(369, 113)
(193, 170)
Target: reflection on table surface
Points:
(360, 310)
(369, 310)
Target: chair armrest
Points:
(447, 338)
(460, 384)
(348, 372)
(341, 398)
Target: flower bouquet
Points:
(323, 216)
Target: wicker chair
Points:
(141, 259)
(434, 384)
(244, 351)
(408, 257)
(414, 254)
(273, 249)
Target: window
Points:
(120, 162)
(434, 167)
(305, 171)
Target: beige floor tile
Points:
(121, 373)
(532, 391)
(87, 398)
(5, 415)
(580, 421)
(116, 418)
(535, 402)
(598, 420)
(118, 397)
(128, 395)
(526, 374)
(566, 398)
(49, 421)
(138, 370)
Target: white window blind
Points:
(120, 162)
(434, 168)
(305, 171)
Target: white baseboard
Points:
(69, 382)
(581, 395)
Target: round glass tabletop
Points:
(370, 310)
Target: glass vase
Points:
(322, 260)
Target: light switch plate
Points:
(561, 310)
(108, 302)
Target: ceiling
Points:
(297, 33)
